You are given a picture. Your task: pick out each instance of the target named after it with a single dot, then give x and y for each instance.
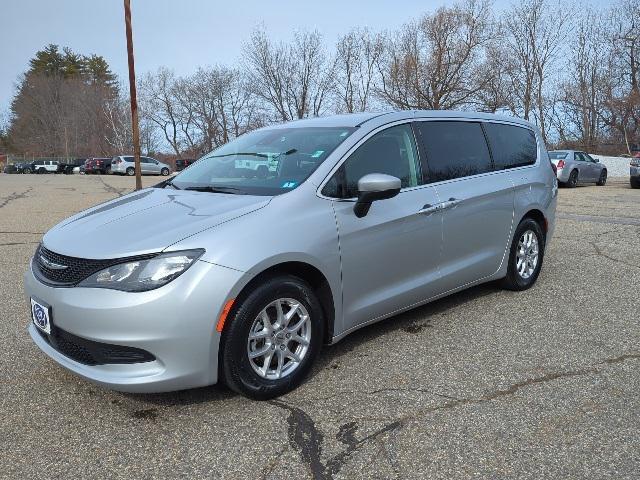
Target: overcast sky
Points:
(181, 35)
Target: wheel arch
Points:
(539, 217)
(305, 271)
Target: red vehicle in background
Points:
(183, 163)
(97, 165)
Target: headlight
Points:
(143, 275)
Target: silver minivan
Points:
(215, 275)
(125, 165)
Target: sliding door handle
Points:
(429, 209)
(451, 203)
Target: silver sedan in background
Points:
(578, 167)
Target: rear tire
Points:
(635, 183)
(272, 342)
(131, 171)
(603, 179)
(521, 272)
(42, 171)
(573, 179)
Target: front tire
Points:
(603, 179)
(635, 182)
(272, 338)
(525, 256)
(164, 172)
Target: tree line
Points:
(570, 69)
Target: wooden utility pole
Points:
(132, 92)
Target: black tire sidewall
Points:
(164, 172)
(573, 179)
(603, 178)
(130, 170)
(513, 280)
(235, 367)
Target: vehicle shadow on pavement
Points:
(412, 322)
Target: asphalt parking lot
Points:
(483, 384)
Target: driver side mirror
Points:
(372, 187)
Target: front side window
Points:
(264, 162)
(392, 151)
(454, 149)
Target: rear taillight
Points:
(560, 163)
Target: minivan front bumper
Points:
(176, 324)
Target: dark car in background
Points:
(68, 168)
(97, 165)
(183, 163)
(17, 168)
(634, 171)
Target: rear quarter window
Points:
(511, 146)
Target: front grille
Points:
(89, 352)
(77, 269)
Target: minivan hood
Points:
(146, 221)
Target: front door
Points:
(390, 256)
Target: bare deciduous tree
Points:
(535, 34)
(160, 105)
(356, 68)
(294, 79)
(577, 113)
(433, 62)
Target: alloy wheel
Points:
(279, 338)
(527, 254)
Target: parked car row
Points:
(123, 165)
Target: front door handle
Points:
(429, 209)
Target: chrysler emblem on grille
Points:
(52, 266)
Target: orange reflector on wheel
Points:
(223, 315)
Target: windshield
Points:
(263, 162)
(558, 155)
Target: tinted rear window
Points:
(558, 155)
(454, 149)
(511, 146)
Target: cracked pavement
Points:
(483, 384)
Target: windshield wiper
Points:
(253, 154)
(169, 183)
(257, 154)
(215, 189)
